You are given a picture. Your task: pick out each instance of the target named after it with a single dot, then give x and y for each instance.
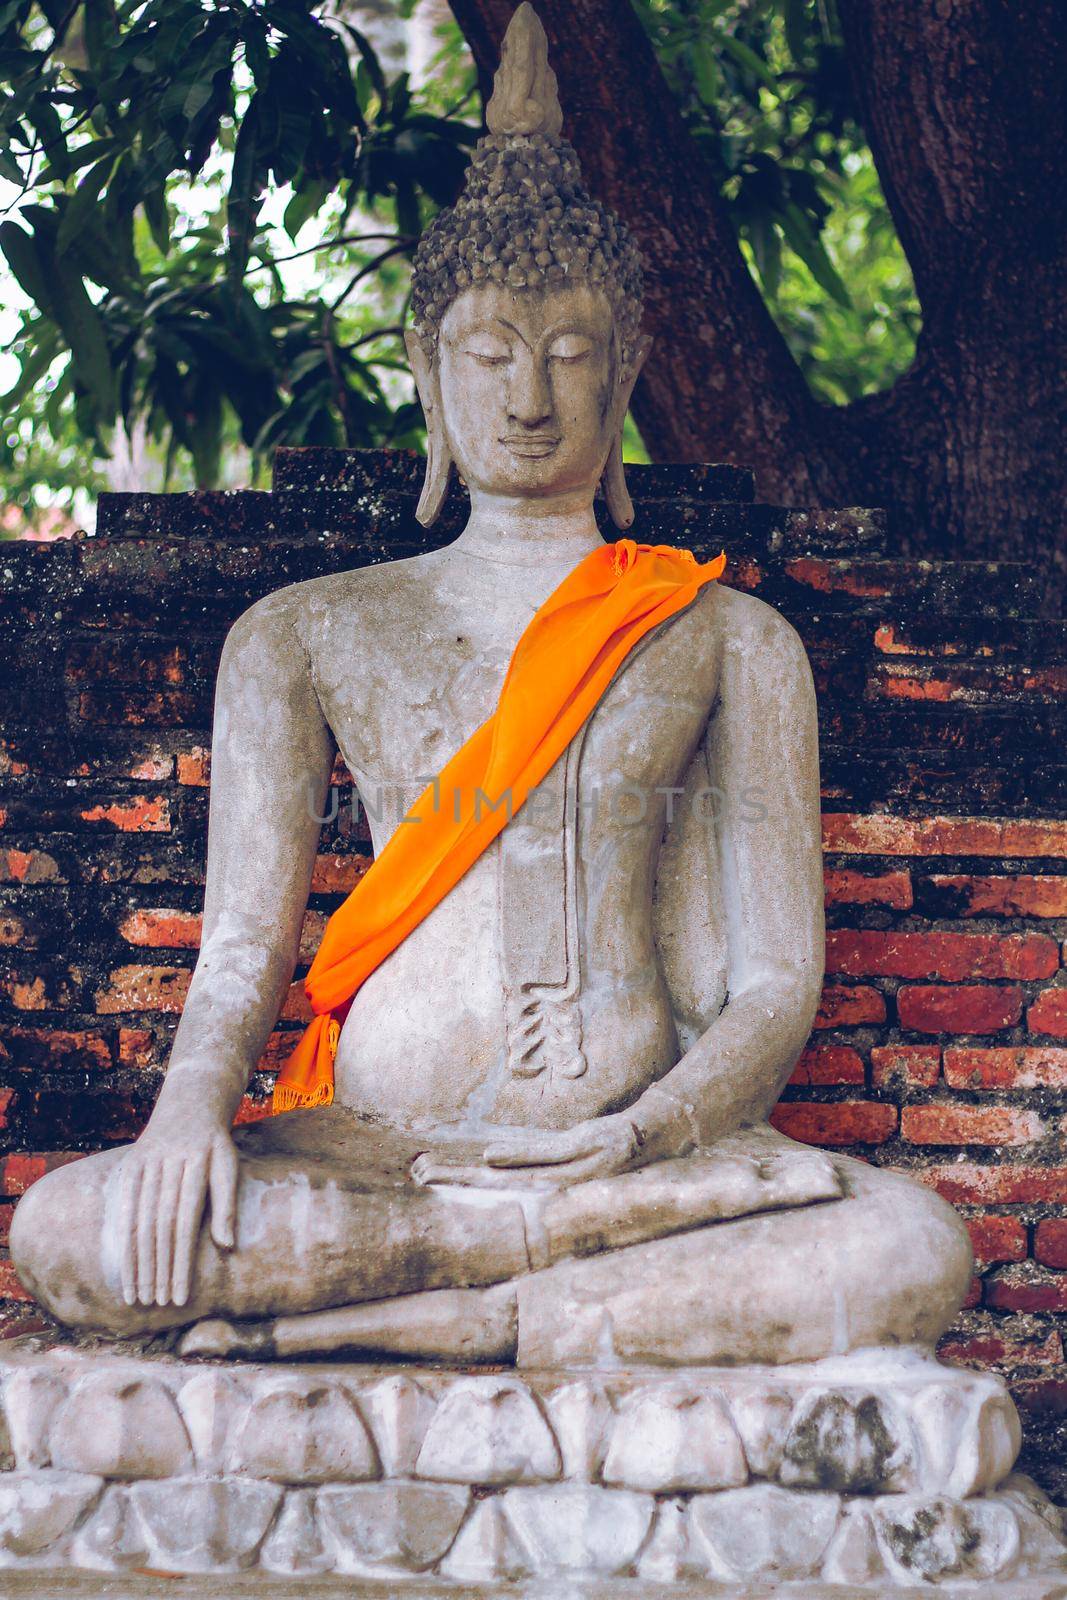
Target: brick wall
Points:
(941, 1045)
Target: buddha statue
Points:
(547, 1141)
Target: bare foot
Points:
(217, 1337)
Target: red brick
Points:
(136, 815)
(963, 1008)
(996, 1239)
(162, 929)
(1026, 1288)
(913, 1066)
(7, 1211)
(19, 1171)
(311, 932)
(973, 1296)
(137, 1047)
(1034, 1068)
(194, 767)
(10, 1287)
(848, 1006)
(22, 1322)
(882, 835)
(278, 1049)
(847, 1122)
(845, 887)
(251, 1110)
(1048, 1014)
(154, 768)
(13, 932)
(297, 1007)
(335, 874)
(968, 1183)
(869, 952)
(1025, 895)
(54, 1047)
(992, 1125)
(144, 989)
(995, 1348)
(25, 994)
(28, 867)
(890, 638)
(828, 1063)
(1050, 1242)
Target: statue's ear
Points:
(613, 477)
(438, 456)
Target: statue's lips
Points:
(531, 445)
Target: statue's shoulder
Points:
(750, 625)
(758, 650)
(298, 612)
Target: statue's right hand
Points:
(167, 1179)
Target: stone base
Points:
(867, 1474)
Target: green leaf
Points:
(747, 58)
(157, 215)
(802, 238)
(705, 67)
(795, 16)
(242, 203)
(24, 259)
(80, 206)
(84, 332)
(304, 204)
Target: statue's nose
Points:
(529, 395)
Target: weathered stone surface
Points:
(113, 1537)
(581, 1417)
(392, 1528)
(120, 1427)
(295, 1544)
(489, 1431)
(852, 1443)
(399, 1411)
(31, 1396)
(214, 1404)
(38, 1508)
(763, 1531)
(205, 1526)
(487, 1548)
(673, 1439)
(933, 1541)
(304, 1434)
(579, 1528)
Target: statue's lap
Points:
(758, 1249)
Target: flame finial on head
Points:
(525, 97)
(525, 219)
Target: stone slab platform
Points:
(74, 1585)
(869, 1472)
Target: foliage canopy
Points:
(147, 143)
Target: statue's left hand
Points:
(594, 1149)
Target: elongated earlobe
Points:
(613, 478)
(438, 456)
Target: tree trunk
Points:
(720, 381)
(964, 109)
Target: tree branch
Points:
(720, 383)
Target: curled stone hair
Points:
(524, 219)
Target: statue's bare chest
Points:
(409, 675)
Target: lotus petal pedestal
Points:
(877, 1473)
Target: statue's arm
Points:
(271, 758)
(762, 753)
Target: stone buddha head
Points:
(526, 298)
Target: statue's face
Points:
(527, 383)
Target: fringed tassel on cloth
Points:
(307, 1077)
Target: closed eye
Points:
(489, 358)
(570, 348)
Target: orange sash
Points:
(562, 665)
